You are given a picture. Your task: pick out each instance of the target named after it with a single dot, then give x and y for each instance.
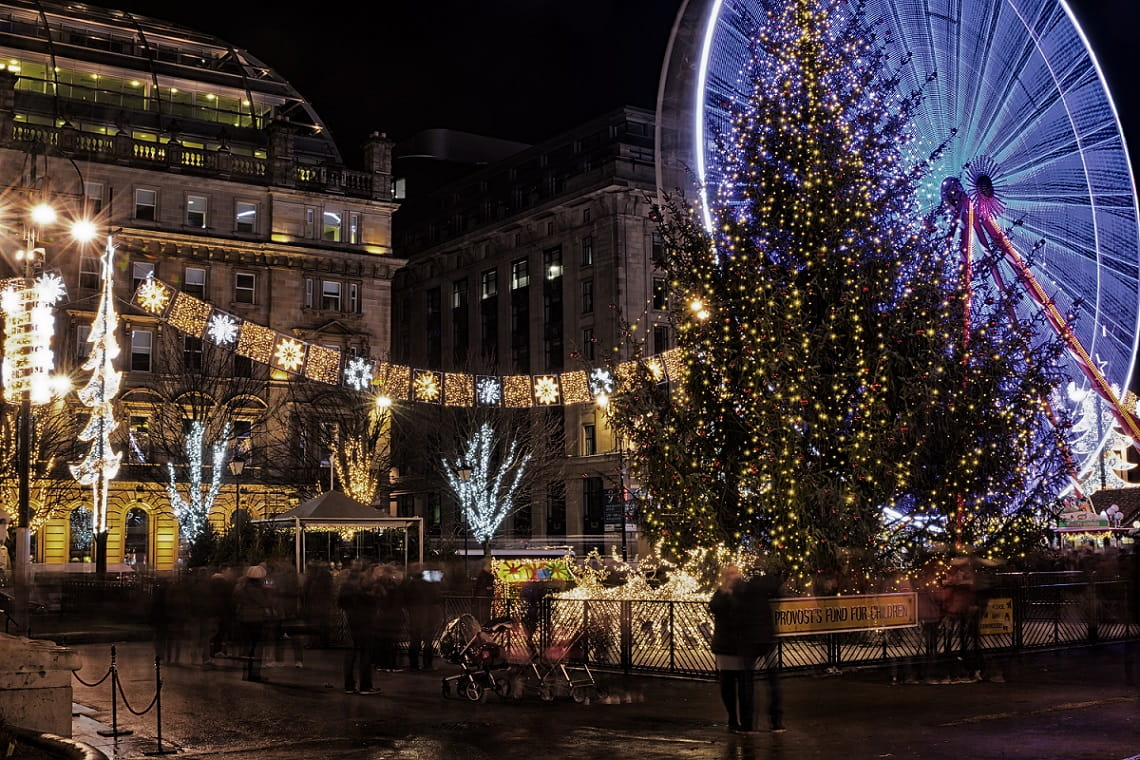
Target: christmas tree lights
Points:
(101, 464)
(193, 510)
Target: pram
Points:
(478, 650)
(548, 674)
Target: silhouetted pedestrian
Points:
(253, 610)
(744, 634)
(358, 602)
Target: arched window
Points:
(137, 534)
(80, 540)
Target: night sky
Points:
(517, 69)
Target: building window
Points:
(490, 284)
(194, 282)
(308, 293)
(587, 296)
(146, 205)
(658, 250)
(354, 228)
(330, 226)
(588, 343)
(330, 295)
(354, 297)
(82, 344)
(310, 223)
(243, 366)
(244, 287)
(92, 198)
(660, 339)
(140, 271)
(589, 440)
(550, 228)
(140, 350)
(587, 258)
(191, 353)
(519, 276)
(245, 217)
(196, 211)
(90, 272)
(459, 294)
(138, 432)
(660, 294)
(552, 263)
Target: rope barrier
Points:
(118, 692)
(127, 704)
(91, 685)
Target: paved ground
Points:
(1069, 705)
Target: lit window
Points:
(354, 228)
(459, 294)
(245, 217)
(330, 295)
(195, 282)
(490, 284)
(519, 276)
(552, 263)
(587, 258)
(196, 211)
(140, 270)
(330, 227)
(140, 350)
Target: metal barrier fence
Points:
(672, 637)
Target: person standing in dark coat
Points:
(358, 601)
(253, 607)
(744, 634)
(424, 607)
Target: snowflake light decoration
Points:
(426, 387)
(358, 373)
(546, 390)
(222, 329)
(290, 353)
(153, 295)
(50, 288)
(488, 391)
(601, 382)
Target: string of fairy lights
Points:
(389, 382)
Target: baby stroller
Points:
(478, 650)
(548, 673)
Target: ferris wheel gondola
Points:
(1036, 160)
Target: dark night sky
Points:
(517, 69)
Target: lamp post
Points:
(237, 465)
(27, 304)
(465, 475)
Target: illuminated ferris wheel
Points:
(1037, 162)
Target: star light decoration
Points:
(601, 382)
(153, 295)
(546, 390)
(358, 373)
(222, 329)
(289, 354)
(426, 387)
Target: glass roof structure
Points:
(106, 70)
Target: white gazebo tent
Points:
(333, 509)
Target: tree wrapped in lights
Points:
(361, 453)
(200, 493)
(823, 327)
(101, 464)
(485, 480)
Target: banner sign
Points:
(801, 616)
(997, 617)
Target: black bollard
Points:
(114, 700)
(158, 709)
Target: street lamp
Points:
(237, 465)
(464, 473)
(28, 303)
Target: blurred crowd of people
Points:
(267, 615)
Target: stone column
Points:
(35, 684)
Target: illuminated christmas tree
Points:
(101, 464)
(823, 331)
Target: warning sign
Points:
(997, 617)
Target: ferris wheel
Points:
(1037, 162)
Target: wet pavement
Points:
(1066, 705)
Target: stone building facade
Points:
(530, 265)
(213, 174)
